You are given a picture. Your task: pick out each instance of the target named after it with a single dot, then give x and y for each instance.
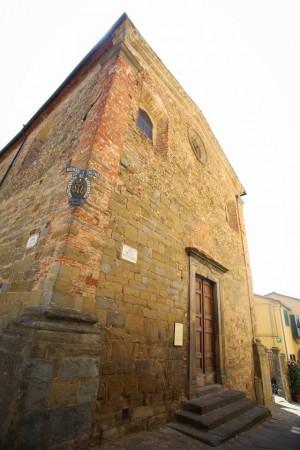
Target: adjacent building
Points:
(124, 273)
(278, 323)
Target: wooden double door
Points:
(205, 358)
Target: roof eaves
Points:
(275, 300)
(281, 295)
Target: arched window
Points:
(144, 123)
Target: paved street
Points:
(281, 432)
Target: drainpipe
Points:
(283, 333)
(246, 256)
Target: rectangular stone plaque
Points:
(178, 334)
(129, 253)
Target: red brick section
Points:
(52, 271)
(82, 254)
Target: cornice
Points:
(121, 50)
(191, 251)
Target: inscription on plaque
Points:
(178, 334)
(129, 253)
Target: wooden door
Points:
(204, 332)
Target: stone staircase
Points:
(217, 415)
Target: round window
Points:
(198, 146)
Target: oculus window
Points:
(197, 146)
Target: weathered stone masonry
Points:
(87, 346)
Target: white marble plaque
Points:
(129, 254)
(178, 334)
(32, 240)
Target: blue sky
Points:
(237, 59)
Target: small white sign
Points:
(178, 334)
(32, 240)
(129, 253)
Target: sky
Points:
(239, 62)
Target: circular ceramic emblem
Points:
(78, 189)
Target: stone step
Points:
(216, 417)
(209, 389)
(207, 403)
(225, 431)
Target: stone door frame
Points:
(202, 266)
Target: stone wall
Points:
(49, 383)
(166, 200)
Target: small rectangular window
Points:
(286, 318)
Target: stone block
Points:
(130, 384)
(160, 408)
(105, 268)
(142, 413)
(142, 238)
(125, 367)
(63, 299)
(136, 400)
(88, 389)
(63, 393)
(150, 314)
(151, 328)
(106, 303)
(115, 386)
(78, 367)
(156, 352)
(134, 300)
(121, 351)
(130, 232)
(134, 324)
(64, 284)
(87, 304)
(41, 369)
(4, 287)
(35, 394)
(70, 423)
(32, 432)
(147, 383)
(103, 292)
(112, 286)
(115, 319)
(101, 316)
(109, 368)
(142, 366)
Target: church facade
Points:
(124, 274)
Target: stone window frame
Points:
(232, 214)
(145, 124)
(152, 104)
(32, 155)
(198, 146)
